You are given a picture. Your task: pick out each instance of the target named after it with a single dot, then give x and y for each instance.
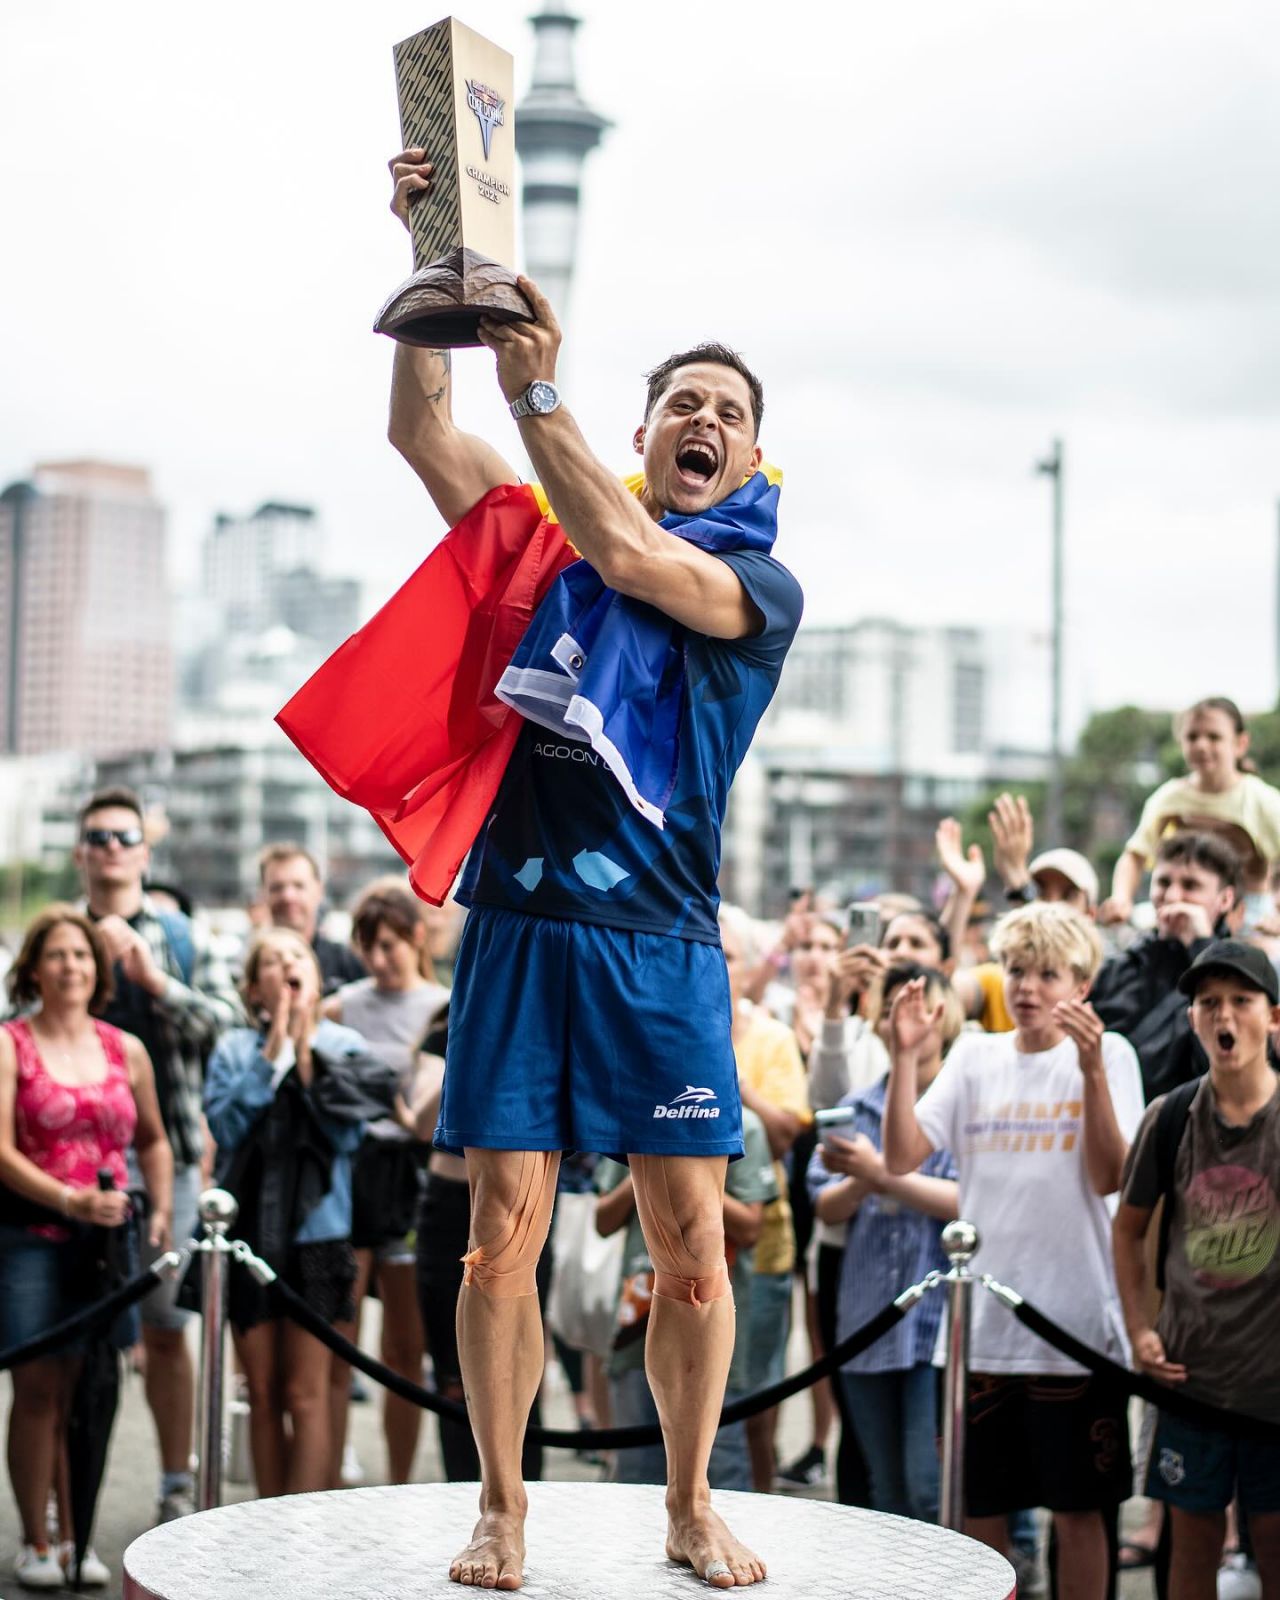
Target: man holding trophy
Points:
(591, 1004)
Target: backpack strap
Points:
(1171, 1124)
(177, 931)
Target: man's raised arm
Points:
(457, 468)
(617, 533)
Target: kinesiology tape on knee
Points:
(713, 1285)
(506, 1265)
(678, 1274)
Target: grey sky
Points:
(943, 233)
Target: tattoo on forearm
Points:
(436, 395)
(446, 357)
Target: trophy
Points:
(455, 90)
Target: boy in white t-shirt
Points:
(1039, 1121)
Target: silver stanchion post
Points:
(218, 1212)
(960, 1242)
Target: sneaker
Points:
(351, 1471)
(94, 1572)
(177, 1503)
(805, 1472)
(37, 1567)
(1238, 1579)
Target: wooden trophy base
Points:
(440, 306)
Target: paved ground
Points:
(127, 1507)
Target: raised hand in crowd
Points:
(911, 1018)
(966, 868)
(1149, 1357)
(1012, 835)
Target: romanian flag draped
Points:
(402, 719)
(416, 715)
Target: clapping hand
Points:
(1079, 1021)
(911, 1020)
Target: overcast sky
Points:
(943, 233)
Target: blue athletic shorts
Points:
(570, 1036)
(1205, 1469)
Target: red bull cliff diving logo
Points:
(488, 107)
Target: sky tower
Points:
(555, 131)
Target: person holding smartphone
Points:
(894, 1230)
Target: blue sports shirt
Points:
(564, 841)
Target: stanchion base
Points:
(584, 1540)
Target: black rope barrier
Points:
(1163, 1395)
(86, 1321)
(859, 1340)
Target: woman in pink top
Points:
(74, 1094)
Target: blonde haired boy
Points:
(1039, 1122)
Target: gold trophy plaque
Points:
(457, 103)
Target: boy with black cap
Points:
(1211, 1151)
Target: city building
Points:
(877, 731)
(212, 808)
(265, 619)
(555, 132)
(85, 656)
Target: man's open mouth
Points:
(1226, 1041)
(698, 460)
(294, 983)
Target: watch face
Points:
(543, 397)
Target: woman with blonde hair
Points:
(286, 1103)
(74, 1095)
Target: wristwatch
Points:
(540, 399)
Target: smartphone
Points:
(862, 923)
(837, 1119)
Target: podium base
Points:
(586, 1541)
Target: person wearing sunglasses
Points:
(175, 993)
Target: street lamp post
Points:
(1051, 466)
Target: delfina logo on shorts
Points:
(692, 1103)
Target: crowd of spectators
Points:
(1079, 1076)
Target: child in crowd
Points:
(1039, 1122)
(1211, 1152)
(1221, 794)
(895, 1225)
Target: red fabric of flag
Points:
(402, 718)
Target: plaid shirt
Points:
(185, 1024)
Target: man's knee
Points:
(512, 1196)
(683, 1225)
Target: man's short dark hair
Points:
(119, 797)
(285, 850)
(720, 355)
(1206, 851)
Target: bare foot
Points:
(700, 1539)
(495, 1557)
